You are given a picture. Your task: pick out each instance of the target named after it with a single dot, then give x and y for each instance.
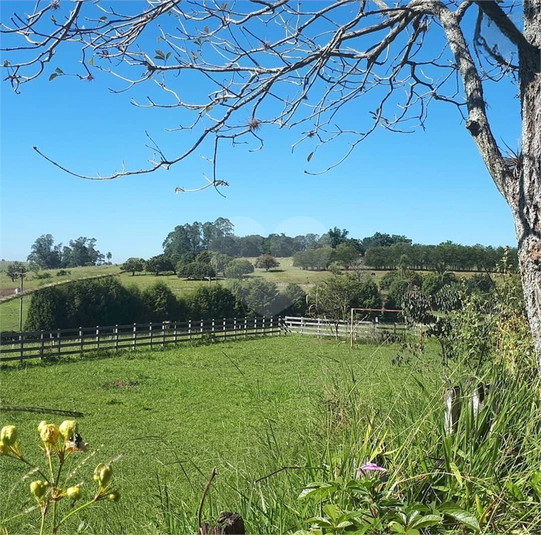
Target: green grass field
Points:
(167, 418)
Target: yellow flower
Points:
(102, 474)
(4, 449)
(49, 433)
(67, 429)
(73, 493)
(114, 496)
(8, 436)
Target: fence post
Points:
(319, 327)
(116, 337)
(42, 339)
(175, 331)
(81, 339)
(255, 326)
(263, 325)
(163, 333)
(223, 323)
(190, 330)
(58, 338)
(212, 330)
(202, 328)
(134, 343)
(235, 327)
(271, 325)
(150, 333)
(245, 327)
(394, 328)
(21, 341)
(97, 336)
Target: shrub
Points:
(266, 262)
(214, 301)
(238, 268)
(196, 271)
(162, 304)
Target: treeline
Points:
(44, 254)
(320, 252)
(445, 256)
(107, 302)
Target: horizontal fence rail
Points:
(321, 327)
(60, 342)
(43, 344)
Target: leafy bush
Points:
(236, 269)
(334, 297)
(63, 273)
(196, 271)
(162, 304)
(214, 301)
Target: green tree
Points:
(45, 253)
(266, 262)
(162, 303)
(334, 297)
(196, 271)
(158, 264)
(81, 252)
(337, 236)
(15, 270)
(208, 302)
(345, 254)
(133, 265)
(236, 269)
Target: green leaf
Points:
(6, 63)
(426, 521)
(103, 19)
(52, 77)
(91, 62)
(168, 55)
(332, 511)
(160, 53)
(456, 473)
(460, 516)
(310, 156)
(59, 70)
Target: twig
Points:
(205, 492)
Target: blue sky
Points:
(431, 186)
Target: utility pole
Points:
(21, 275)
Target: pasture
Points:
(9, 310)
(166, 418)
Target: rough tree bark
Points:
(525, 197)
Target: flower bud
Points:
(114, 496)
(8, 435)
(73, 493)
(67, 429)
(38, 488)
(4, 449)
(49, 433)
(102, 474)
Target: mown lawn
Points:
(165, 419)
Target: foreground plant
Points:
(58, 444)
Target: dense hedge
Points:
(107, 302)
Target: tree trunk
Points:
(526, 195)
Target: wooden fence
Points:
(342, 329)
(43, 344)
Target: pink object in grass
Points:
(368, 469)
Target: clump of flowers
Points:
(58, 444)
